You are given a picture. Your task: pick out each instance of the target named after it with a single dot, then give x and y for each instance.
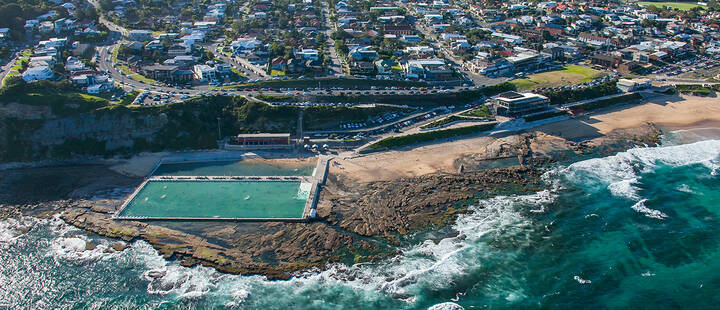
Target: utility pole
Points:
(219, 132)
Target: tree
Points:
(106, 5)
(277, 49)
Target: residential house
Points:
(37, 73)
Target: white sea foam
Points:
(11, 229)
(428, 265)
(685, 189)
(170, 278)
(446, 306)
(74, 249)
(651, 213)
(581, 280)
(619, 173)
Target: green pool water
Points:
(219, 199)
(232, 168)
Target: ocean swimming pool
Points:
(209, 199)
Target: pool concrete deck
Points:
(317, 180)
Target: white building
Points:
(307, 53)
(204, 73)
(245, 44)
(37, 73)
(140, 35)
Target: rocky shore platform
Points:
(357, 221)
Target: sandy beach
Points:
(673, 112)
(670, 112)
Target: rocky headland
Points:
(358, 220)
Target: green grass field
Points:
(135, 76)
(569, 75)
(682, 6)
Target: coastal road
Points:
(6, 68)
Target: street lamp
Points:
(219, 132)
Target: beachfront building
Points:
(261, 141)
(516, 104)
(627, 85)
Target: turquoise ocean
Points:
(636, 230)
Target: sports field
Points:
(569, 75)
(682, 6)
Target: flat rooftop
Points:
(511, 96)
(264, 135)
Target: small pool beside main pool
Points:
(233, 168)
(219, 199)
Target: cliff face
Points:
(116, 129)
(31, 132)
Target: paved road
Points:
(118, 32)
(6, 68)
(110, 25)
(242, 66)
(336, 66)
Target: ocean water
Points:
(638, 230)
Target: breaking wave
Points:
(620, 173)
(487, 246)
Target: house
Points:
(245, 44)
(362, 68)
(606, 61)
(365, 53)
(630, 67)
(553, 53)
(595, 41)
(306, 53)
(41, 61)
(154, 45)
(37, 73)
(178, 50)
(524, 61)
(411, 39)
(140, 35)
(159, 72)
(427, 69)
(516, 104)
(490, 66)
(278, 64)
(205, 73)
(384, 66)
(98, 88)
(400, 29)
(46, 27)
(313, 65)
(416, 51)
